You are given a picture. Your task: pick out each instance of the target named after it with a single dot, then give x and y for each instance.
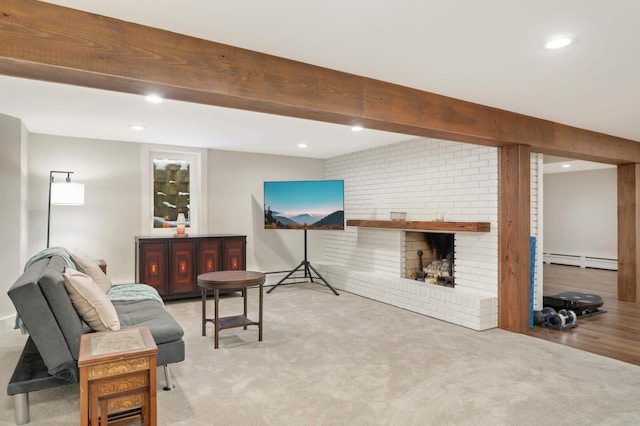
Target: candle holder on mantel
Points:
(398, 215)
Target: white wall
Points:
(13, 146)
(106, 225)
(104, 228)
(236, 206)
(580, 211)
(420, 177)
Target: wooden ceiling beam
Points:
(47, 42)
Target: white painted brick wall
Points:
(473, 309)
(420, 177)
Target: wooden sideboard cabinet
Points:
(171, 265)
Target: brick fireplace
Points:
(437, 252)
(420, 177)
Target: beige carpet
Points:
(347, 360)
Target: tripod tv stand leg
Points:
(308, 267)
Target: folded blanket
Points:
(52, 251)
(124, 292)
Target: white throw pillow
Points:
(91, 268)
(93, 306)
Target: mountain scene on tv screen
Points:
(304, 205)
(275, 220)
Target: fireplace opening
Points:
(430, 257)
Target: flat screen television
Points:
(308, 204)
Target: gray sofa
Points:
(50, 355)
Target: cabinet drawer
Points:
(126, 383)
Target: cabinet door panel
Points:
(234, 254)
(182, 257)
(152, 265)
(209, 255)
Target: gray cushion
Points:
(151, 313)
(32, 306)
(67, 318)
(171, 352)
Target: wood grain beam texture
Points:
(629, 232)
(514, 228)
(47, 42)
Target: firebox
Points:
(430, 257)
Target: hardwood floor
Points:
(614, 334)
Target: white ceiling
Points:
(553, 164)
(489, 52)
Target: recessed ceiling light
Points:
(136, 127)
(566, 166)
(357, 128)
(154, 99)
(558, 43)
(302, 145)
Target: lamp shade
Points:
(67, 194)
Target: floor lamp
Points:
(65, 193)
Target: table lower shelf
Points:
(232, 322)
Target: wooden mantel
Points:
(423, 225)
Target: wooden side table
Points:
(236, 280)
(118, 377)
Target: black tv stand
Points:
(308, 268)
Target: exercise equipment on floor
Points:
(558, 320)
(583, 304)
(561, 311)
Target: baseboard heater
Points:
(581, 261)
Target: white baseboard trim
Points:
(581, 261)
